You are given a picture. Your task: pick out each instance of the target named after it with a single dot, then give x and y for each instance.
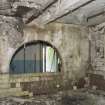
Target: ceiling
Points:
(40, 12)
(91, 14)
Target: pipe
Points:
(83, 5)
(44, 58)
(95, 15)
(88, 2)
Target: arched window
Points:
(37, 57)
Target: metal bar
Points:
(24, 58)
(41, 65)
(41, 57)
(35, 62)
(95, 15)
(82, 5)
(73, 10)
(45, 58)
(57, 62)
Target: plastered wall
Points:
(70, 40)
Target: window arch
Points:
(36, 56)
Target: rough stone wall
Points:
(10, 38)
(97, 41)
(70, 40)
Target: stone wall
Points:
(11, 35)
(70, 40)
(97, 50)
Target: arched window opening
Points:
(35, 57)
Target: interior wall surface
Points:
(71, 41)
(97, 41)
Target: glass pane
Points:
(35, 57)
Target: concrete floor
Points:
(78, 97)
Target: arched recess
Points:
(35, 57)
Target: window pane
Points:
(35, 57)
